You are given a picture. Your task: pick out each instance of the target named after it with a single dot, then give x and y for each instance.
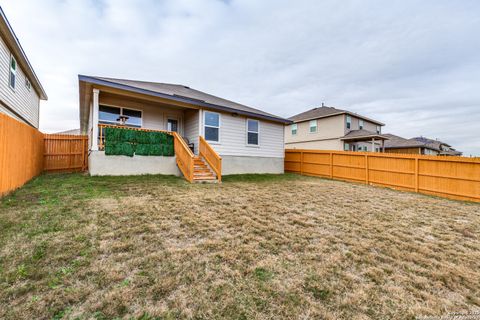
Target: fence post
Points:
(301, 162)
(366, 169)
(331, 165)
(416, 174)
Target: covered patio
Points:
(364, 140)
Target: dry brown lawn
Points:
(254, 247)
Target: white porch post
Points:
(96, 93)
(373, 144)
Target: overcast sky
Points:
(414, 65)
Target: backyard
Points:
(253, 247)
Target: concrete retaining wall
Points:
(101, 165)
(241, 165)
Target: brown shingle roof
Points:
(184, 92)
(322, 112)
(399, 142)
(362, 133)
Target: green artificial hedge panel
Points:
(128, 142)
(142, 149)
(156, 150)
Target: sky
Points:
(413, 65)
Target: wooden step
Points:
(201, 171)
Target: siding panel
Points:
(24, 101)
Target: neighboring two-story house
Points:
(328, 128)
(20, 89)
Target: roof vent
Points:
(186, 87)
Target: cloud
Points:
(413, 65)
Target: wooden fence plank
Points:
(449, 177)
(67, 153)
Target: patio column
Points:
(96, 93)
(373, 144)
(383, 146)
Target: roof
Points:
(182, 93)
(419, 142)
(14, 44)
(322, 112)
(399, 142)
(71, 131)
(363, 134)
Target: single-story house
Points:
(212, 136)
(328, 128)
(419, 145)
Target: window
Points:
(13, 72)
(349, 122)
(379, 129)
(346, 147)
(172, 125)
(212, 126)
(294, 129)
(252, 132)
(111, 115)
(360, 124)
(313, 126)
(28, 84)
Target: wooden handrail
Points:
(211, 156)
(184, 157)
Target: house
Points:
(328, 128)
(20, 89)
(212, 136)
(418, 145)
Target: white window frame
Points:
(346, 146)
(294, 125)
(219, 126)
(310, 126)
(258, 133)
(360, 124)
(379, 129)
(121, 114)
(348, 122)
(28, 85)
(11, 71)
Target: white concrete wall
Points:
(22, 100)
(101, 165)
(233, 138)
(242, 165)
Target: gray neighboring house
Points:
(419, 145)
(247, 139)
(20, 89)
(328, 128)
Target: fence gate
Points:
(65, 153)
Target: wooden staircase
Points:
(202, 172)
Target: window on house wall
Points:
(313, 126)
(346, 147)
(379, 129)
(28, 85)
(13, 72)
(349, 122)
(212, 126)
(172, 125)
(111, 115)
(360, 124)
(294, 129)
(252, 132)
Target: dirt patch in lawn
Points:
(253, 247)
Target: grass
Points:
(253, 247)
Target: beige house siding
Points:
(367, 125)
(233, 138)
(327, 128)
(153, 116)
(329, 144)
(24, 101)
(191, 127)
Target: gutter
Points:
(179, 99)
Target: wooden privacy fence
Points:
(65, 153)
(450, 177)
(21, 153)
